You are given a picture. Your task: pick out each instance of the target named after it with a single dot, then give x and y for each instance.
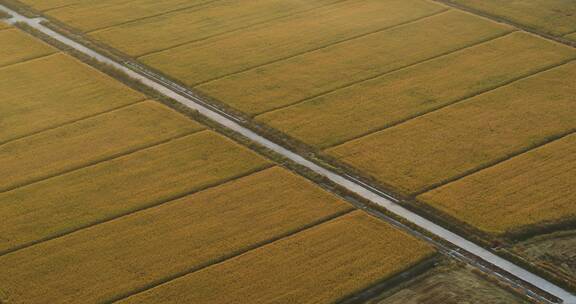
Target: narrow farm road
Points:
(509, 270)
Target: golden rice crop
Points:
(169, 30)
(533, 188)
(18, 46)
(4, 25)
(89, 141)
(240, 50)
(144, 178)
(120, 256)
(320, 265)
(375, 104)
(50, 91)
(571, 36)
(448, 143)
(91, 15)
(552, 16)
(292, 80)
(43, 5)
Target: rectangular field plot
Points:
(88, 141)
(555, 17)
(378, 103)
(18, 46)
(50, 91)
(122, 185)
(99, 264)
(240, 50)
(170, 30)
(321, 265)
(449, 284)
(435, 148)
(298, 78)
(42, 5)
(92, 15)
(534, 188)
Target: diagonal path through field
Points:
(510, 270)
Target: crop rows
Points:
(105, 194)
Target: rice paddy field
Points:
(532, 188)
(17, 47)
(467, 136)
(446, 107)
(340, 252)
(105, 194)
(315, 73)
(59, 83)
(554, 17)
(393, 98)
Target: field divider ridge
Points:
(463, 99)
(73, 121)
(323, 47)
(28, 59)
(151, 16)
(155, 204)
(385, 73)
(511, 271)
(494, 18)
(238, 29)
(496, 162)
(97, 162)
(231, 255)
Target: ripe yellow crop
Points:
(89, 141)
(48, 92)
(18, 46)
(534, 188)
(298, 78)
(378, 103)
(555, 17)
(122, 185)
(241, 50)
(320, 265)
(449, 143)
(123, 255)
(180, 27)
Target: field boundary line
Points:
(119, 216)
(325, 46)
(236, 29)
(497, 19)
(27, 60)
(498, 266)
(455, 102)
(447, 53)
(551, 139)
(71, 122)
(148, 17)
(114, 156)
(57, 7)
(230, 256)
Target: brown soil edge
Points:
(278, 137)
(569, 277)
(420, 268)
(443, 265)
